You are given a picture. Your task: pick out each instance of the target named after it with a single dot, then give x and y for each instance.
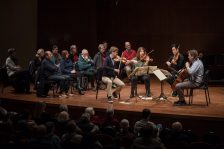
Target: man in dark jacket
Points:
(110, 75)
(49, 71)
(100, 57)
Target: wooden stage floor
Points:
(198, 109)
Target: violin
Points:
(120, 59)
(175, 59)
(146, 57)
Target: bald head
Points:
(48, 55)
(177, 126)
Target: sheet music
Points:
(159, 75)
(138, 71)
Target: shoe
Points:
(70, 95)
(63, 96)
(174, 94)
(42, 96)
(132, 95)
(28, 92)
(180, 103)
(148, 94)
(81, 92)
(110, 100)
(114, 94)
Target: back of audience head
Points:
(63, 116)
(148, 131)
(177, 126)
(63, 107)
(71, 126)
(41, 131)
(146, 113)
(85, 118)
(50, 127)
(124, 124)
(90, 110)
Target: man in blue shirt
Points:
(196, 73)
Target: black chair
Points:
(203, 86)
(99, 82)
(5, 80)
(99, 75)
(84, 80)
(43, 85)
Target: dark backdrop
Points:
(153, 24)
(30, 24)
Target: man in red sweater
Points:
(128, 54)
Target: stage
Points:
(162, 111)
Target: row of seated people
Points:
(41, 129)
(57, 67)
(62, 68)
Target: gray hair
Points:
(73, 46)
(90, 110)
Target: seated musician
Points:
(175, 63)
(86, 67)
(49, 71)
(20, 77)
(128, 54)
(66, 67)
(110, 75)
(195, 71)
(141, 60)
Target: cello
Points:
(180, 77)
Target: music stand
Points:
(158, 73)
(139, 71)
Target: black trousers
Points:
(144, 78)
(21, 81)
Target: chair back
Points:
(99, 74)
(206, 78)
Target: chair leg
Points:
(206, 98)
(190, 96)
(97, 88)
(2, 89)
